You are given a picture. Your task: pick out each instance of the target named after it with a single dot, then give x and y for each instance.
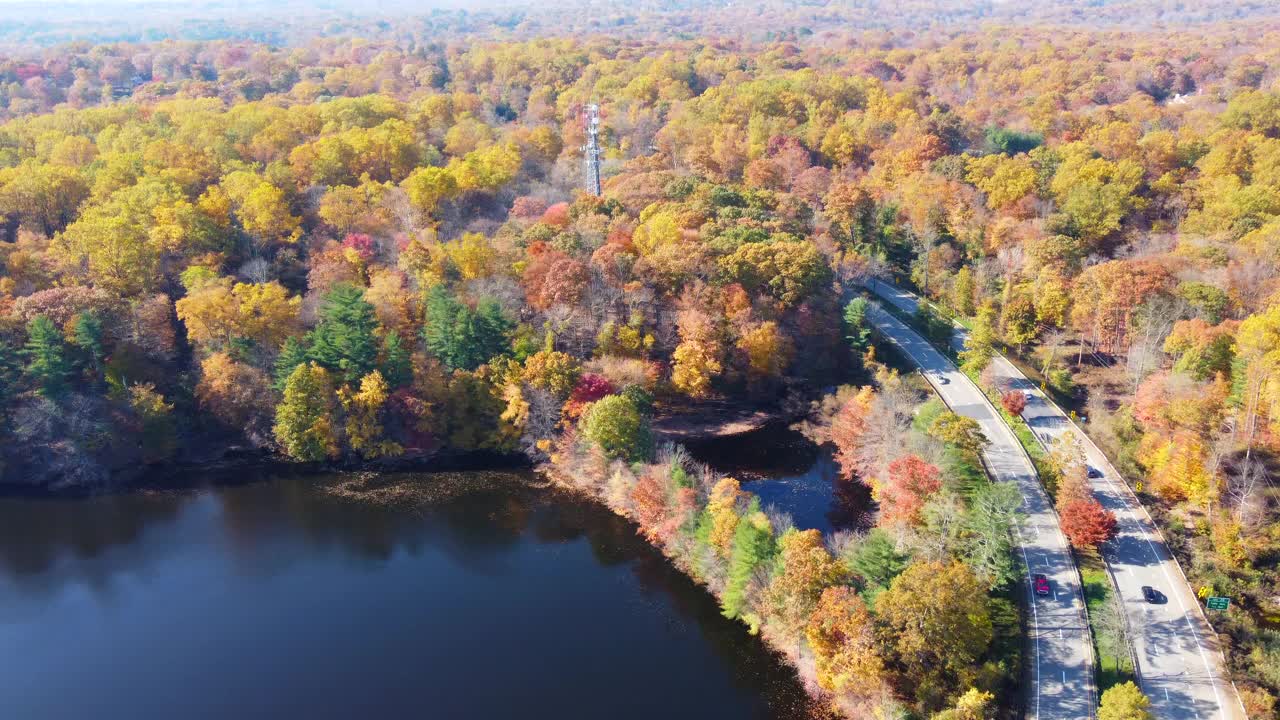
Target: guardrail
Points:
(1155, 527)
(1083, 611)
(1115, 585)
(1133, 497)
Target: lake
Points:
(786, 470)
(472, 595)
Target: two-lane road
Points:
(1061, 652)
(1180, 665)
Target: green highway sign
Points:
(1217, 603)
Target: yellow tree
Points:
(974, 704)
(767, 350)
(427, 187)
(219, 312)
(1258, 347)
(841, 634)
(697, 359)
(722, 515)
(805, 569)
(233, 392)
(1176, 469)
(304, 424)
(365, 433)
(939, 621)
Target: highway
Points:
(1060, 654)
(1180, 664)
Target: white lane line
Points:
(1035, 614)
(1164, 569)
(900, 294)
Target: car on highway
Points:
(942, 380)
(1094, 472)
(1151, 595)
(1041, 584)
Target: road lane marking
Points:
(1035, 614)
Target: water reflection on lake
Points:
(459, 596)
(788, 471)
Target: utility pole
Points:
(591, 151)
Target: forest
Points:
(356, 250)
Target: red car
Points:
(1041, 584)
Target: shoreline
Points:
(235, 464)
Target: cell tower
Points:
(591, 151)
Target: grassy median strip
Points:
(1108, 626)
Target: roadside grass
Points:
(914, 323)
(1114, 664)
(1009, 626)
(1026, 437)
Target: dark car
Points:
(1094, 472)
(1041, 584)
(1151, 595)
(942, 380)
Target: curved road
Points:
(1180, 664)
(1061, 654)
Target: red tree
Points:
(1014, 402)
(528, 207)
(590, 388)
(557, 215)
(1087, 524)
(650, 500)
(553, 277)
(362, 244)
(847, 428)
(911, 482)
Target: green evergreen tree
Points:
(397, 366)
(87, 336)
(877, 561)
(47, 362)
(344, 341)
(10, 375)
(753, 547)
(461, 337)
(293, 354)
(304, 426)
(439, 330)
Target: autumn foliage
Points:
(1087, 524)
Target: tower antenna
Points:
(591, 151)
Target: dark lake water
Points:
(788, 471)
(444, 596)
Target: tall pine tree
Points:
(344, 341)
(753, 546)
(397, 368)
(293, 354)
(461, 337)
(10, 375)
(87, 337)
(47, 362)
